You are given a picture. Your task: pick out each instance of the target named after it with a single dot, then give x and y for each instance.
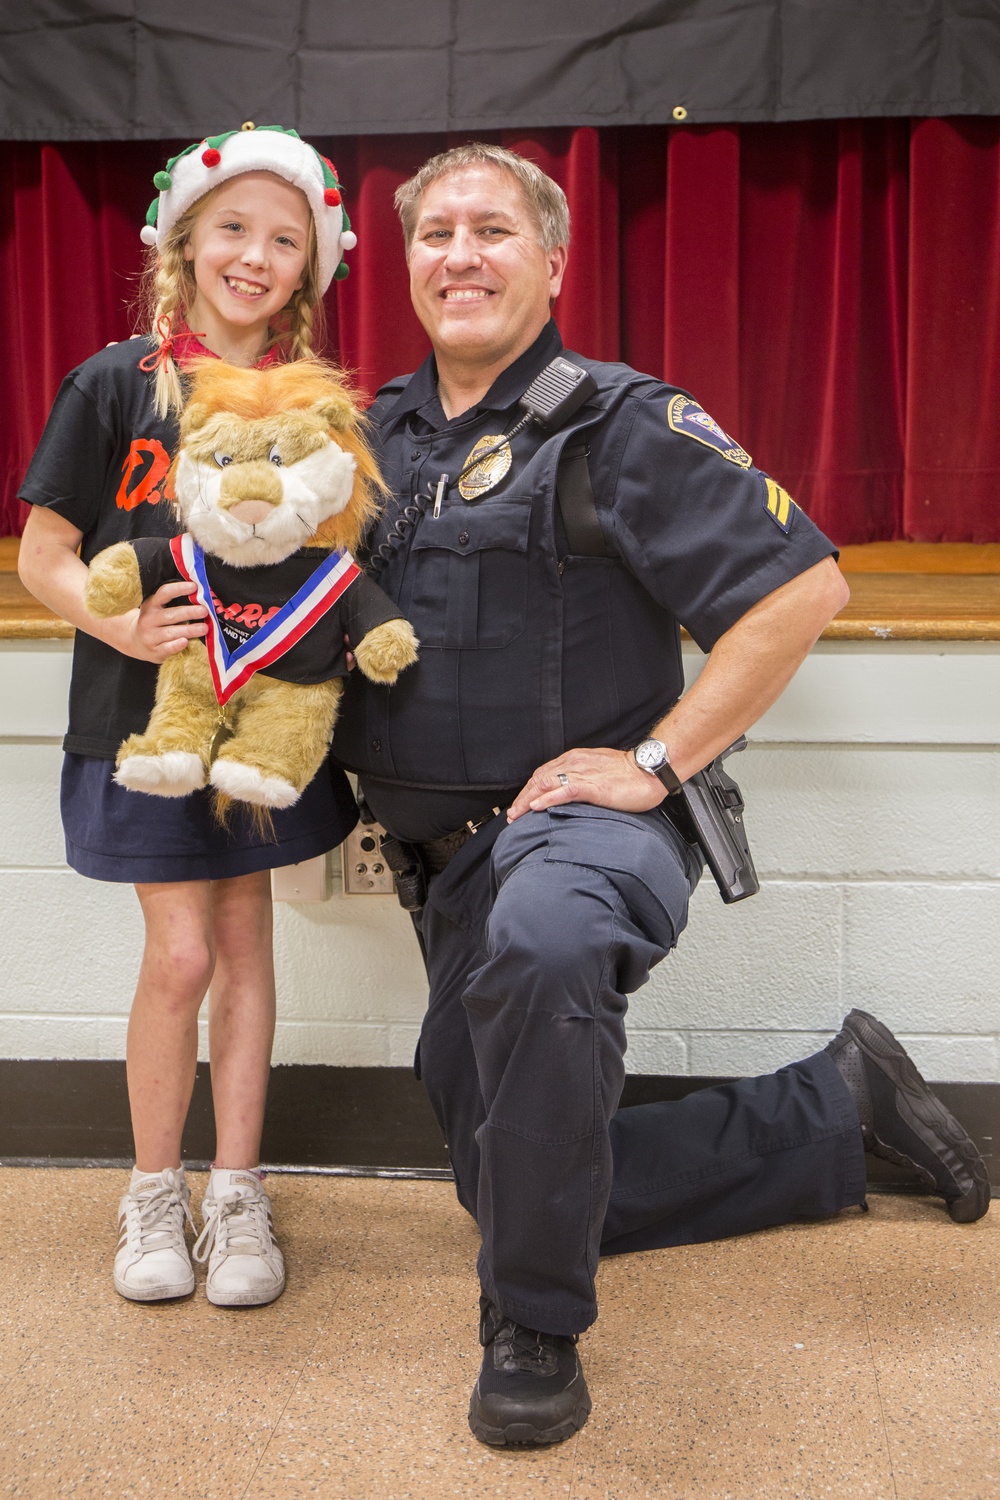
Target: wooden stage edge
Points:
(900, 591)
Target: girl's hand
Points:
(154, 631)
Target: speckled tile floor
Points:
(854, 1358)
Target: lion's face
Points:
(257, 476)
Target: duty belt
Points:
(438, 853)
(412, 865)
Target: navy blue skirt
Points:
(133, 837)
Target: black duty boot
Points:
(903, 1121)
(531, 1389)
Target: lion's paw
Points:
(385, 651)
(175, 773)
(246, 784)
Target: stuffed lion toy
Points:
(274, 484)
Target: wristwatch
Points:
(651, 756)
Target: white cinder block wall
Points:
(873, 794)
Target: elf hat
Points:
(269, 148)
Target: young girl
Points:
(245, 237)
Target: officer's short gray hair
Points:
(545, 199)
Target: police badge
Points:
(687, 417)
(487, 474)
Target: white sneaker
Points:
(152, 1262)
(245, 1266)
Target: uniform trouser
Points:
(533, 937)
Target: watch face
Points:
(650, 755)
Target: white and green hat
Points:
(265, 148)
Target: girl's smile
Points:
(244, 288)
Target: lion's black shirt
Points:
(247, 599)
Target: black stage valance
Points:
(143, 69)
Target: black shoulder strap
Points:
(577, 503)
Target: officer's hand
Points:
(605, 778)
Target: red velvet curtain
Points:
(830, 291)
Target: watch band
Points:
(669, 777)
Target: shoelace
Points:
(521, 1346)
(236, 1225)
(154, 1207)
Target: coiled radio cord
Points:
(406, 521)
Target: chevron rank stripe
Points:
(231, 669)
(778, 503)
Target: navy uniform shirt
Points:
(526, 650)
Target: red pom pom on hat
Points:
(331, 197)
(211, 157)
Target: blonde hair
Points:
(545, 199)
(168, 290)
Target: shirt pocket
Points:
(470, 586)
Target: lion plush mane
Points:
(289, 408)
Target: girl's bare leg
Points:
(241, 1015)
(245, 1265)
(197, 933)
(177, 966)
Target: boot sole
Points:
(921, 1109)
(525, 1434)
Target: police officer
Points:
(525, 760)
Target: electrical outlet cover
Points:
(365, 871)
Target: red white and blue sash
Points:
(231, 669)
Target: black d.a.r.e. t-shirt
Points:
(101, 464)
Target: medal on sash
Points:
(231, 669)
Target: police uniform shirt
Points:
(526, 650)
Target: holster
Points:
(708, 813)
(408, 873)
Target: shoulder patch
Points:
(687, 417)
(778, 503)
